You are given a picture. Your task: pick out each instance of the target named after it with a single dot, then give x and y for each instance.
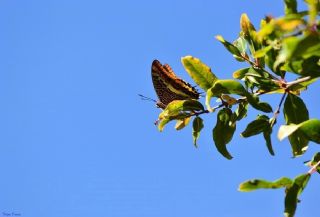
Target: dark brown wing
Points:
(163, 77)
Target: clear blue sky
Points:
(75, 138)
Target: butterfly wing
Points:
(168, 86)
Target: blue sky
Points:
(76, 140)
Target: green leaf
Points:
(271, 57)
(209, 95)
(292, 193)
(182, 123)
(250, 34)
(227, 87)
(261, 125)
(199, 72)
(178, 110)
(295, 112)
(277, 28)
(241, 44)
(230, 47)
(241, 111)
(255, 103)
(261, 80)
(164, 120)
(287, 130)
(290, 6)
(256, 184)
(163, 123)
(197, 127)
(256, 127)
(240, 73)
(177, 106)
(223, 131)
(246, 27)
(267, 136)
(310, 129)
(314, 7)
(299, 47)
(224, 87)
(262, 52)
(299, 143)
(315, 159)
(235, 87)
(304, 67)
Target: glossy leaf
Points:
(262, 52)
(299, 143)
(182, 123)
(249, 33)
(261, 125)
(290, 6)
(304, 66)
(196, 128)
(223, 131)
(280, 26)
(293, 192)
(267, 137)
(241, 44)
(256, 184)
(240, 73)
(261, 80)
(177, 106)
(241, 111)
(230, 47)
(271, 56)
(314, 8)
(287, 130)
(224, 87)
(295, 112)
(299, 47)
(310, 129)
(199, 72)
(229, 100)
(246, 26)
(256, 127)
(227, 87)
(163, 122)
(255, 103)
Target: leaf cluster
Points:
(285, 45)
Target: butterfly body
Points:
(168, 86)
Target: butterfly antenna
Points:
(147, 98)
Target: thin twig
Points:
(241, 99)
(205, 111)
(314, 168)
(289, 84)
(279, 106)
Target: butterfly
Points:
(168, 86)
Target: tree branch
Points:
(314, 168)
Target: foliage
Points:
(286, 45)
